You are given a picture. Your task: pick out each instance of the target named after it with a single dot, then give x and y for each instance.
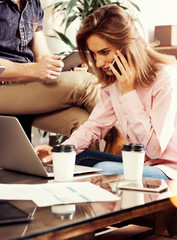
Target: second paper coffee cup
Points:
(133, 161)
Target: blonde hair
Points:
(116, 26)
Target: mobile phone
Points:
(147, 185)
(11, 214)
(71, 60)
(115, 66)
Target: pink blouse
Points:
(146, 115)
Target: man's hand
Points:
(47, 69)
(44, 153)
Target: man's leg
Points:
(62, 122)
(79, 100)
(73, 89)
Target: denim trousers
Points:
(110, 163)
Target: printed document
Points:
(56, 193)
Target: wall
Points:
(156, 12)
(52, 22)
(153, 12)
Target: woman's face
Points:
(102, 51)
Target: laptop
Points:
(18, 154)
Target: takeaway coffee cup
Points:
(133, 161)
(63, 162)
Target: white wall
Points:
(153, 13)
(52, 22)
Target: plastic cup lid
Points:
(138, 147)
(133, 147)
(127, 147)
(63, 148)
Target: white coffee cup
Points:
(133, 161)
(64, 157)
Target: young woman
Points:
(139, 92)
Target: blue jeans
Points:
(111, 163)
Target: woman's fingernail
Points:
(44, 160)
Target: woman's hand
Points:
(44, 153)
(126, 78)
(83, 68)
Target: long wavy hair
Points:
(117, 27)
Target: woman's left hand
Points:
(126, 79)
(83, 68)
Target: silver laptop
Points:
(18, 154)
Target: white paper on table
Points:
(56, 193)
(14, 192)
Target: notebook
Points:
(18, 154)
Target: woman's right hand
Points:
(44, 153)
(126, 77)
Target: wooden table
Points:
(89, 217)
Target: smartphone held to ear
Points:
(115, 66)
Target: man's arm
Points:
(15, 72)
(39, 46)
(47, 67)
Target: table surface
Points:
(86, 217)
